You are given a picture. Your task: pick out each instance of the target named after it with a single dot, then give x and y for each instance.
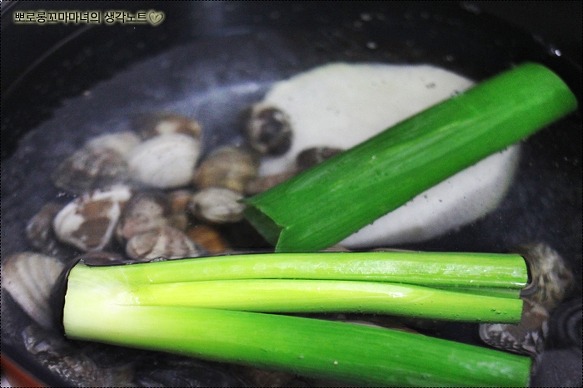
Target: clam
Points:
(265, 182)
(315, 155)
(229, 167)
(145, 211)
(268, 129)
(551, 279)
(526, 337)
(88, 222)
(304, 160)
(179, 200)
(165, 161)
(550, 282)
(217, 205)
(40, 234)
(208, 238)
(99, 163)
(166, 242)
(29, 278)
(121, 142)
(152, 125)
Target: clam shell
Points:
(29, 278)
(551, 279)
(166, 242)
(268, 129)
(526, 337)
(313, 156)
(99, 163)
(208, 238)
(179, 200)
(217, 205)
(265, 182)
(152, 125)
(89, 221)
(40, 233)
(229, 167)
(90, 168)
(550, 282)
(145, 211)
(165, 161)
(121, 142)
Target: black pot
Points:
(61, 84)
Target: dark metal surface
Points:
(210, 59)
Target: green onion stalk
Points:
(218, 309)
(445, 269)
(396, 283)
(384, 172)
(312, 347)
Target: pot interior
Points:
(210, 61)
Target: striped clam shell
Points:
(526, 337)
(30, 278)
(550, 283)
(551, 279)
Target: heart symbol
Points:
(155, 17)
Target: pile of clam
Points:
(148, 193)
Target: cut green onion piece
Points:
(321, 296)
(440, 269)
(327, 203)
(340, 351)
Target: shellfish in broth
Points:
(127, 183)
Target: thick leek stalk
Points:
(194, 307)
(327, 203)
(340, 351)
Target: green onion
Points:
(320, 296)
(439, 269)
(193, 307)
(329, 202)
(340, 351)
(303, 296)
(470, 287)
